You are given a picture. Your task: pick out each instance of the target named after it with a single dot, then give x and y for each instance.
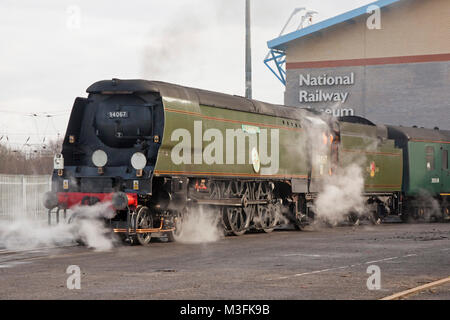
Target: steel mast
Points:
(248, 52)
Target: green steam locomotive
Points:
(158, 151)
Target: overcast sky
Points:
(52, 50)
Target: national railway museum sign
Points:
(325, 89)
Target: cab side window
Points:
(429, 157)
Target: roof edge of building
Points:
(280, 42)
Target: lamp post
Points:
(248, 52)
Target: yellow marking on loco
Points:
(230, 174)
(230, 120)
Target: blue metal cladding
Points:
(278, 58)
(278, 45)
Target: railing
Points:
(21, 196)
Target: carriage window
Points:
(429, 156)
(445, 159)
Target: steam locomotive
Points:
(157, 151)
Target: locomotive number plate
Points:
(118, 114)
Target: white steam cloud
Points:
(26, 234)
(199, 226)
(341, 194)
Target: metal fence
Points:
(21, 196)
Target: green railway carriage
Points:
(426, 168)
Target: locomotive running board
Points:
(148, 230)
(230, 202)
(132, 231)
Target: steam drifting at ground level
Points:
(341, 195)
(199, 226)
(87, 227)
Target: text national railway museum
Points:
(388, 61)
